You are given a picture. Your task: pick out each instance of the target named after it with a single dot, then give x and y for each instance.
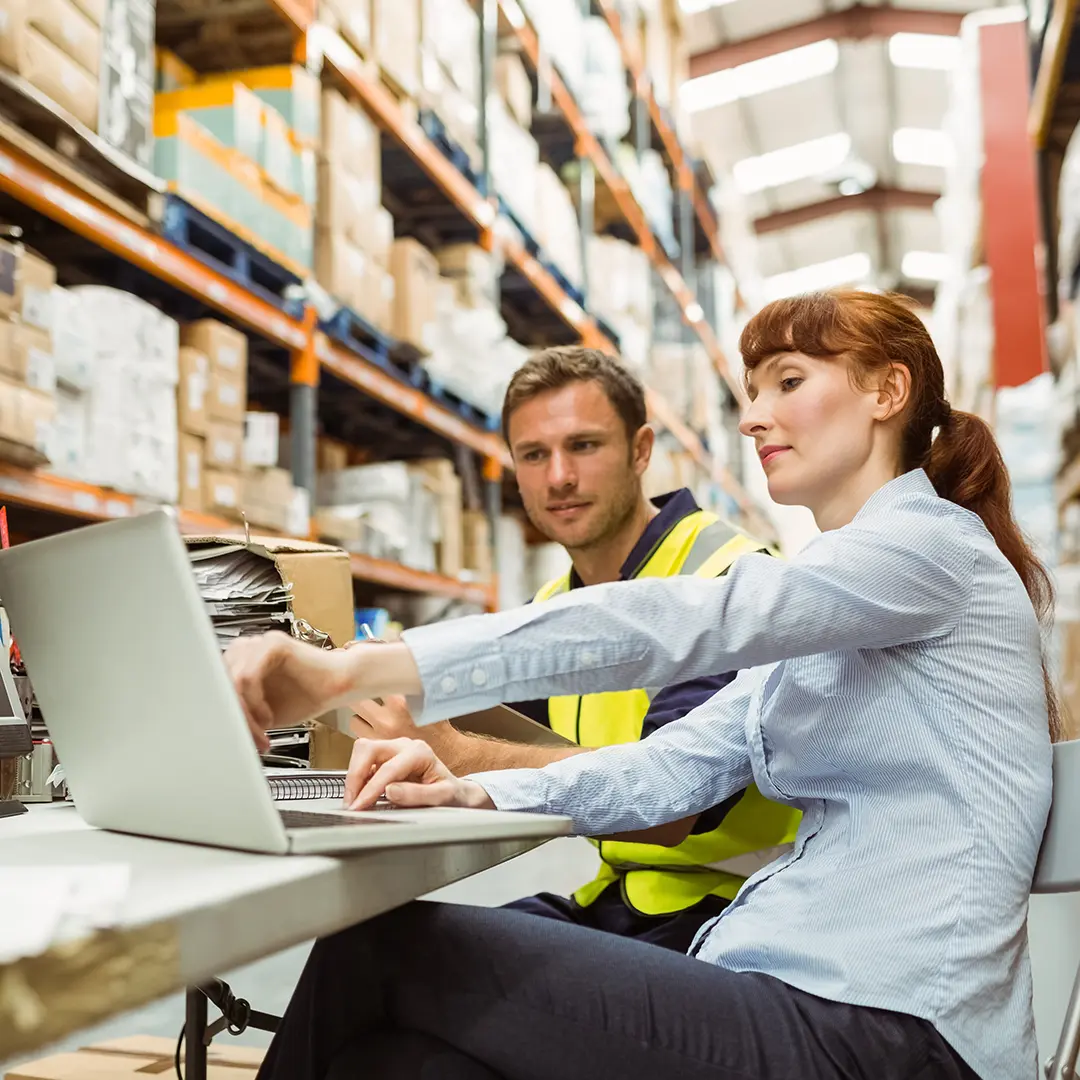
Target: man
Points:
(576, 424)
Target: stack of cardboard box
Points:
(404, 512)
(395, 26)
(212, 404)
(56, 46)
(559, 231)
(354, 233)
(269, 498)
(27, 368)
(620, 292)
(241, 147)
(117, 365)
(352, 20)
(415, 273)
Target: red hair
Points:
(872, 331)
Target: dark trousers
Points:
(447, 992)
(610, 913)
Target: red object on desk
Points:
(15, 658)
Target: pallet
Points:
(194, 231)
(572, 291)
(529, 242)
(351, 329)
(435, 390)
(608, 332)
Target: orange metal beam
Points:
(856, 23)
(1012, 232)
(407, 399)
(876, 200)
(62, 202)
(1056, 40)
(395, 576)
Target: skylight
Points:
(791, 163)
(823, 275)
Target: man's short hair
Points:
(554, 368)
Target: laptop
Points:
(144, 717)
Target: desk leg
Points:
(195, 1035)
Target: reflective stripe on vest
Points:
(659, 880)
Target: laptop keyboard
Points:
(307, 819)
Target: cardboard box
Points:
(474, 272)
(193, 391)
(352, 206)
(416, 274)
(262, 431)
(63, 23)
(384, 481)
(354, 278)
(139, 1056)
(227, 348)
(26, 418)
(350, 139)
(222, 493)
(228, 398)
(477, 540)
(267, 496)
(320, 578)
(26, 357)
(224, 446)
(332, 455)
(396, 32)
(442, 480)
(351, 19)
(515, 87)
(192, 449)
(56, 75)
(27, 284)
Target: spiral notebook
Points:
(287, 785)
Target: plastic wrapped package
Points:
(514, 160)
(451, 30)
(559, 25)
(634, 341)
(560, 233)
(619, 280)
(605, 94)
(511, 567)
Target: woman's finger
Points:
(410, 762)
(367, 754)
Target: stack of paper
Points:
(243, 591)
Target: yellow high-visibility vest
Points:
(659, 880)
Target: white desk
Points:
(193, 912)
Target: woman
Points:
(896, 697)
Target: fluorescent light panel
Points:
(791, 163)
(922, 146)
(694, 7)
(935, 52)
(760, 76)
(822, 275)
(925, 266)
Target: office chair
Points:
(1058, 871)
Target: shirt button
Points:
(588, 659)
(479, 678)
(448, 684)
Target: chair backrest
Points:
(1058, 868)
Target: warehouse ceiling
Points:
(838, 167)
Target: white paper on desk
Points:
(43, 905)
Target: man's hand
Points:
(389, 718)
(282, 682)
(409, 774)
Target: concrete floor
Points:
(558, 866)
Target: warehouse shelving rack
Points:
(29, 179)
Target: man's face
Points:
(578, 471)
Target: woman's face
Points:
(815, 431)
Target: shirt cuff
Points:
(515, 789)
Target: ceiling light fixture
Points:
(791, 163)
(822, 275)
(695, 7)
(922, 146)
(934, 52)
(760, 76)
(925, 266)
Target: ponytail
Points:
(965, 466)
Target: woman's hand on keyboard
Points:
(409, 774)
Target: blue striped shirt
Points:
(895, 698)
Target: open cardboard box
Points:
(320, 579)
(138, 1056)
